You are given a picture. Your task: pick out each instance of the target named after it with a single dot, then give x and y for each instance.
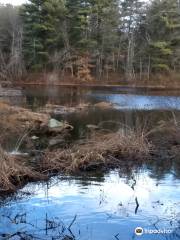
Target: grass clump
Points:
(14, 172)
(100, 151)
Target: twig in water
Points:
(117, 236)
(137, 205)
(74, 219)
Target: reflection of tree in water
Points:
(176, 167)
(160, 167)
(70, 96)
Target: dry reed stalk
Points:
(99, 151)
(14, 172)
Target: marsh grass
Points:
(100, 151)
(14, 172)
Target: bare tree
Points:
(11, 35)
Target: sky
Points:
(14, 2)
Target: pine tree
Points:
(42, 19)
(104, 25)
(77, 18)
(162, 31)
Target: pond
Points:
(109, 206)
(100, 206)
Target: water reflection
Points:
(103, 209)
(140, 102)
(125, 98)
(130, 98)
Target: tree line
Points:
(90, 38)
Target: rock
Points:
(58, 109)
(53, 123)
(56, 141)
(34, 138)
(104, 105)
(57, 127)
(92, 127)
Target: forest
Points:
(118, 40)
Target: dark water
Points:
(100, 206)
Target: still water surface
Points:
(104, 207)
(124, 98)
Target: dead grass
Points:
(100, 151)
(14, 172)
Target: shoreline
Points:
(97, 85)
